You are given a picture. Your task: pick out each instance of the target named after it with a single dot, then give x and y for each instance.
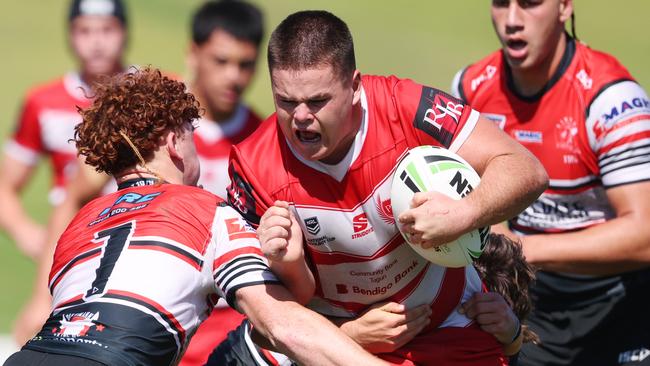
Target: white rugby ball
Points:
(429, 168)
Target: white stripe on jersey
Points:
(571, 183)
(615, 116)
(170, 242)
(236, 272)
(21, 153)
(465, 132)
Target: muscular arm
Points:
(298, 332)
(24, 231)
(618, 245)
(511, 177)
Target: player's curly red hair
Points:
(144, 105)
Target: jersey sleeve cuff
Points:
(21, 152)
(460, 139)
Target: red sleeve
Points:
(435, 117)
(28, 130)
(245, 193)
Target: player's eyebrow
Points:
(318, 96)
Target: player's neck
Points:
(530, 81)
(90, 79)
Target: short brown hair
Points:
(312, 38)
(504, 270)
(144, 105)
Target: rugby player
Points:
(97, 34)
(329, 151)
(588, 121)
(136, 271)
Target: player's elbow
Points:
(538, 177)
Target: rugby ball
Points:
(429, 168)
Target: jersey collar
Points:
(567, 57)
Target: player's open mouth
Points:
(308, 136)
(517, 48)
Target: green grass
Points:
(427, 41)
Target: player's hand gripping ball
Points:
(428, 168)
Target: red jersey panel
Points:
(358, 255)
(213, 142)
(46, 124)
(136, 271)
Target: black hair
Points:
(312, 38)
(240, 19)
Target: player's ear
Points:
(566, 9)
(171, 144)
(356, 86)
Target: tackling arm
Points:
(298, 332)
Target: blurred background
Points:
(425, 40)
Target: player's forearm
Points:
(509, 184)
(306, 332)
(13, 217)
(297, 278)
(619, 245)
(298, 332)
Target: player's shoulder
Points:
(597, 70)
(478, 75)
(46, 89)
(264, 138)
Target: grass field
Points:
(427, 41)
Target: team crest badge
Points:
(313, 227)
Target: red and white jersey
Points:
(137, 271)
(590, 128)
(213, 142)
(358, 255)
(46, 124)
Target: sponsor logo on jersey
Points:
(528, 136)
(385, 210)
(624, 107)
(239, 229)
(636, 355)
(566, 132)
(127, 202)
(240, 197)
(312, 225)
(438, 114)
(584, 79)
(77, 324)
(341, 288)
(487, 74)
(361, 226)
(498, 119)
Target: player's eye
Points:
(500, 3)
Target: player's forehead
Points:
(95, 21)
(305, 83)
(223, 43)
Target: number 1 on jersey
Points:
(115, 240)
